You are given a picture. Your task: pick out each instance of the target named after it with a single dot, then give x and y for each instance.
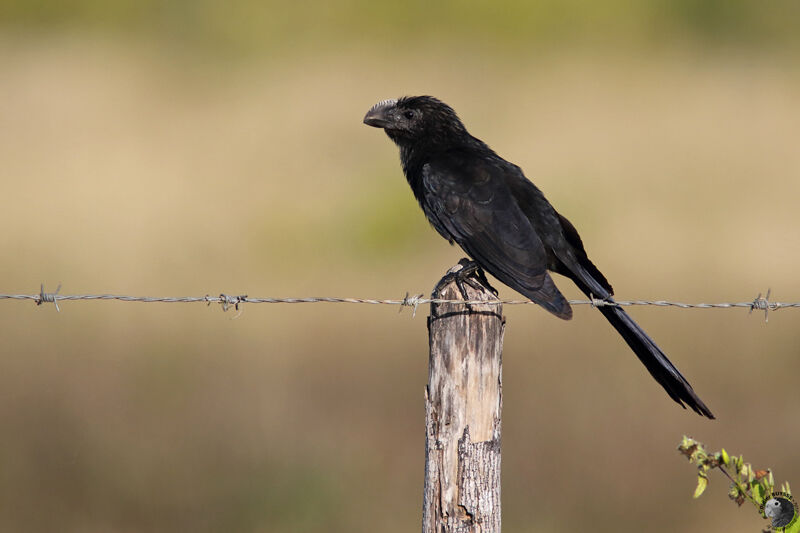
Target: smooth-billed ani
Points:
(486, 205)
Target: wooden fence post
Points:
(463, 401)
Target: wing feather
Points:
(477, 211)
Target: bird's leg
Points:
(482, 278)
(464, 274)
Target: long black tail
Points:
(590, 280)
(654, 359)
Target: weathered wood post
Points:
(463, 401)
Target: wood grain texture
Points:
(463, 402)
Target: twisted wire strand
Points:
(226, 301)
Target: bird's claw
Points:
(464, 276)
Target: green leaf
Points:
(758, 493)
(702, 483)
(725, 459)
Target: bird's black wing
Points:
(559, 236)
(471, 205)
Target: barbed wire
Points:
(414, 301)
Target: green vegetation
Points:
(747, 483)
(249, 24)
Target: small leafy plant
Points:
(747, 484)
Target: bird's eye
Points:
(409, 114)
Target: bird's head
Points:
(772, 508)
(414, 119)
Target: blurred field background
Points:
(185, 148)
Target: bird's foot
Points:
(465, 273)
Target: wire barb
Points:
(764, 304)
(598, 302)
(231, 301)
(413, 302)
(48, 297)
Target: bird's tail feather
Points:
(648, 352)
(656, 362)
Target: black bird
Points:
(486, 205)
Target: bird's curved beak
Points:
(377, 115)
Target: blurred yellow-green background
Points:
(184, 148)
